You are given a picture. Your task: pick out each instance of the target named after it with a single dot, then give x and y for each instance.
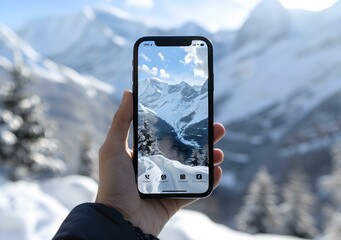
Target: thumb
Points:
(120, 125)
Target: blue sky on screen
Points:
(173, 64)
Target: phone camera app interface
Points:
(173, 118)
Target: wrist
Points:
(135, 218)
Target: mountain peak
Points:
(268, 21)
(183, 83)
(114, 11)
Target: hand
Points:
(117, 187)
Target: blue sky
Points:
(173, 64)
(155, 13)
(213, 14)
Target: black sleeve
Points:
(97, 221)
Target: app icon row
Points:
(181, 176)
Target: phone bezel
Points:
(175, 41)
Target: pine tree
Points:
(8, 124)
(194, 160)
(33, 152)
(204, 157)
(298, 206)
(260, 213)
(198, 157)
(88, 164)
(333, 230)
(331, 185)
(146, 140)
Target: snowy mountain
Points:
(97, 40)
(277, 84)
(281, 100)
(177, 104)
(99, 37)
(261, 29)
(176, 114)
(72, 100)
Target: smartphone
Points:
(173, 116)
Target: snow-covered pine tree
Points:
(88, 158)
(146, 140)
(331, 185)
(194, 160)
(260, 212)
(298, 206)
(8, 124)
(333, 230)
(204, 156)
(33, 153)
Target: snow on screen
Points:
(173, 118)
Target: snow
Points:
(34, 211)
(7, 137)
(264, 29)
(82, 189)
(156, 165)
(13, 48)
(261, 74)
(168, 102)
(119, 13)
(192, 225)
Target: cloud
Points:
(198, 57)
(161, 57)
(145, 57)
(145, 69)
(164, 74)
(147, 4)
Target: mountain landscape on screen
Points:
(177, 114)
(277, 87)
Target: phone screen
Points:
(173, 125)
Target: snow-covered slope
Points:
(174, 103)
(99, 41)
(192, 225)
(35, 210)
(13, 48)
(72, 100)
(261, 29)
(296, 72)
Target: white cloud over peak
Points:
(145, 69)
(164, 74)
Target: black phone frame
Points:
(174, 41)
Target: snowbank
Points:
(35, 210)
(192, 225)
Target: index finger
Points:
(218, 132)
